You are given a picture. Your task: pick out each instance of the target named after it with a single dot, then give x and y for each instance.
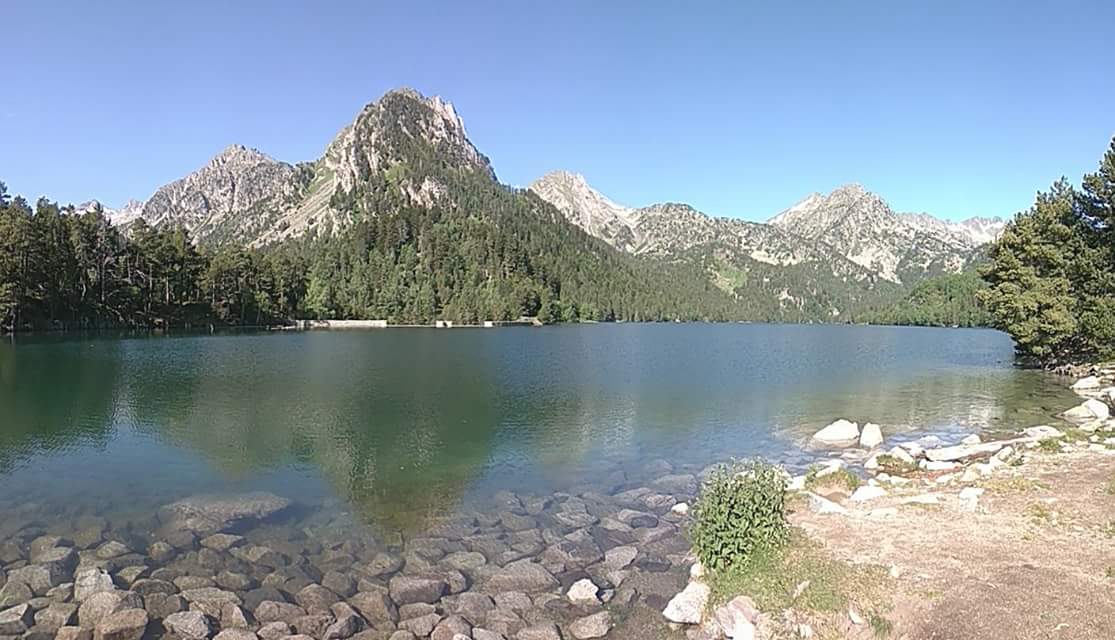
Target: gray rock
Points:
(40, 578)
(161, 605)
(421, 626)
(272, 611)
(148, 586)
(522, 575)
(384, 564)
(210, 595)
(161, 552)
(236, 634)
(16, 620)
(375, 606)
(339, 583)
(543, 631)
(90, 581)
(411, 589)
(127, 624)
(486, 634)
(13, 593)
(275, 630)
(595, 626)
(222, 541)
(960, 452)
(102, 604)
(688, 606)
(235, 617)
(112, 549)
(57, 615)
(312, 625)
(402, 634)
(473, 606)
(74, 633)
(450, 627)
(190, 625)
(234, 581)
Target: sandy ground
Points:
(1036, 560)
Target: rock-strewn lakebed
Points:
(605, 558)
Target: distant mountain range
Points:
(816, 260)
(849, 224)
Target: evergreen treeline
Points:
(60, 269)
(1052, 274)
(943, 301)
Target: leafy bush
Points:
(741, 510)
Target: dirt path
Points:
(1036, 560)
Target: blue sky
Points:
(956, 108)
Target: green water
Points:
(396, 424)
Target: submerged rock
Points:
(210, 514)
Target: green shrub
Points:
(741, 510)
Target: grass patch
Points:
(895, 466)
(842, 478)
(1040, 514)
(1049, 445)
(1109, 573)
(880, 626)
(801, 575)
(1014, 485)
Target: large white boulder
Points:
(866, 493)
(1086, 384)
(688, 606)
(1042, 432)
(841, 433)
(1087, 411)
(737, 619)
(823, 506)
(871, 436)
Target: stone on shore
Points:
(823, 506)
(841, 433)
(969, 498)
(687, 606)
(522, 575)
(189, 625)
(415, 589)
(1043, 432)
(127, 624)
(737, 619)
(1086, 384)
(595, 626)
(1088, 411)
(16, 620)
(871, 436)
(961, 452)
(583, 592)
(867, 492)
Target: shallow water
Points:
(399, 425)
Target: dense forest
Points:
(1051, 275)
(943, 301)
(62, 269)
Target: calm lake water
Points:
(393, 425)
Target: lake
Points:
(398, 423)
(407, 466)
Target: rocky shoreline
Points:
(590, 562)
(925, 472)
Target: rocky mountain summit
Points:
(849, 225)
(242, 196)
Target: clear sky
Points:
(958, 108)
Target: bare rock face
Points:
(208, 514)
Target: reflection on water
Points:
(402, 423)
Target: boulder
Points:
(74, 633)
(871, 436)
(543, 631)
(620, 557)
(208, 514)
(102, 604)
(971, 439)
(738, 618)
(421, 626)
(595, 626)
(867, 492)
(841, 433)
(687, 606)
(1088, 411)
(1043, 432)
(583, 592)
(960, 452)
(375, 606)
(189, 625)
(823, 506)
(90, 581)
(450, 628)
(406, 589)
(522, 575)
(1087, 383)
(16, 620)
(236, 634)
(127, 624)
